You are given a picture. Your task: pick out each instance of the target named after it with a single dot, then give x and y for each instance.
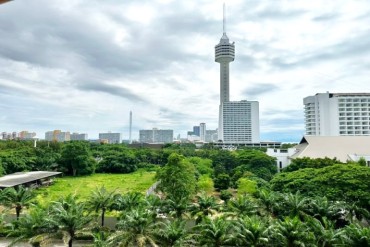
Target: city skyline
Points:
(83, 65)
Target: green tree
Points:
(136, 228)
(338, 182)
(356, 235)
(204, 207)
(69, 216)
(222, 181)
(177, 178)
(17, 198)
(76, 158)
(250, 231)
(213, 232)
(101, 200)
(242, 206)
(172, 233)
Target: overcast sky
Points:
(82, 65)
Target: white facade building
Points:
(57, 135)
(238, 121)
(79, 137)
(337, 114)
(282, 156)
(156, 136)
(202, 131)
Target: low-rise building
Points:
(57, 136)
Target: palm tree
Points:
(326, 235)
(291, 232)
(356, 236)
(69, 216)
(172, 233)
(17, 198)
(268, 201)
(295, 204)
(34, 227)
(136, 228)
(176, 208)
(127, 201)
(250, 231)
(213, 232)
(205, 206)
(242, 205)
(101, 199)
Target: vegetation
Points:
(206, 197)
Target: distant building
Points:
(202, 132)
(156, 136)
(211, 136)
(337, 114)
(78, 137)
(25, 135)
(58, 136)
(111, 138)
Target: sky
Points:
(83, 65)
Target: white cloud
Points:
(83, 65)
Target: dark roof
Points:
(19, 178)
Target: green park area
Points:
(138, 181)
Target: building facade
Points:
(57, 136)
(111, 138)
(156, 136)
(79, 137)
(337, 114)
(239, 122)
(202, 132)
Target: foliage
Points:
(177, 178)
(246, 185)
(101, 199)
(203, 166)
(118, 162)
(17, 198)
(222, 181)
(256, 162)
(76, 159)
(225, 195)
(338, 182)
(205, 184)
(306, 162)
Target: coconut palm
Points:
(242, 206)
(172, 233)
(205, 206)
(69, 216)
(250, 231)
(213, 232)
(101, 199)
(136, 228)
(17, 198)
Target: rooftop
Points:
(19, 178)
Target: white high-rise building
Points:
(337, 114)
(238, 121)
(202, 131)
(156, 136)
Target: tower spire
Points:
(224, 20)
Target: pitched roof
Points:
(339, 147)
(18, 178)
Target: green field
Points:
(138, 181)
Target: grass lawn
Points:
(82, 186)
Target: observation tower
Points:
(224, 54)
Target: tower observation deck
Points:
(224, 54)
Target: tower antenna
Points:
(224, 19)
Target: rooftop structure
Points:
(26, 178)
